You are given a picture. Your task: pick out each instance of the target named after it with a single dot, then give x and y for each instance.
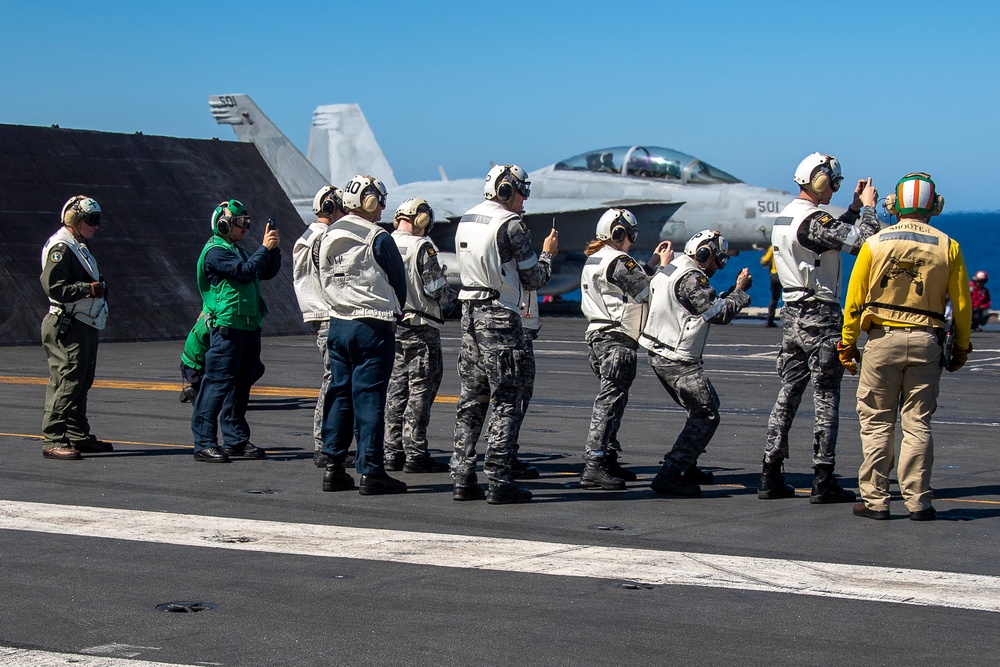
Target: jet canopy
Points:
(652, 162)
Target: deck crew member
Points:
(899, 287)
(418, 367)
(807, 243)
(682, 305)
(328, 208)
(498, 267)
(614, 294)
(77, 312)
(364, 281)
(229, 282)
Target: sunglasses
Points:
(91, 219)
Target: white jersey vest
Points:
(484, 277)
(420, 309)
(671, 331)
(606, 305)
(91, 311)
(305, 274)
(355, 285)
(804, 274)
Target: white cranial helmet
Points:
(705, 244)
(364, 193)
(616, 225)
(505, 179)
(80, 208)
(819, 172)
(327, 201)
(417, 211)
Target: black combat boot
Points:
(507, 494)
(772, 482)
(335, 478)
(826, 488)
(521, 470)
(394, 460)
(467, 488)
(696, 475)
(597, 475)
(615, 468)
(669, 482)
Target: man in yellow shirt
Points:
(902, 279)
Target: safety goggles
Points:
(91, 219)
(241, 221)
(835, 183)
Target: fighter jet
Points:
(672, 194)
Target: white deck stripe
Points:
(856, 582)
(22, 657)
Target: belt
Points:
(877, 331)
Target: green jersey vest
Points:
(230, 304)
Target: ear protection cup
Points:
(224, 226)
(369, 202)
(820, 180)
(704, 253)
(505, 191)
(329, 207)
(422, 219)
(619, 234)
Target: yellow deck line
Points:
(286, 392)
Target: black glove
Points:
(97, 290)
(959, 357)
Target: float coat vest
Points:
(305, 274)
(605, 304)
(909, 275)
(671, 331)
(420, 309)
(356, 287)
(92, 311)
(229, 303)
(803, 273)
(484, 277)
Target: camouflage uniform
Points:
(810, 333)
(322, 336)
(416, 371)
(495, 355)
(686, 381)
(527, 388)
(613, 358)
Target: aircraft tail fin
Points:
(297, 176)
(341, 145)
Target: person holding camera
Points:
(78, 310)
(807, 244)
(900, 286)
(682, 306)
(229, 282)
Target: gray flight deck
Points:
(97, 596)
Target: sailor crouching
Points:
(682, 306)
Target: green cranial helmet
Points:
(228, 212)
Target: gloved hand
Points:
(97, 290)
(850, 355)
(959, 357)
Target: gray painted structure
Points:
(158, 194)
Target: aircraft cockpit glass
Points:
(651, 162)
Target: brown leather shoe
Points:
(62, 453)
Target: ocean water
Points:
(977, 233)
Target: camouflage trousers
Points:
(416, 376)
(689, 386)
(493, 355)
(810, 334)
(613, 359)
(527, 388)
(322, 333)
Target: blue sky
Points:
(887, 87)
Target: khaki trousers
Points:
(900, 374)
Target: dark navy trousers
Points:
(232, 365)
(361, 355)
